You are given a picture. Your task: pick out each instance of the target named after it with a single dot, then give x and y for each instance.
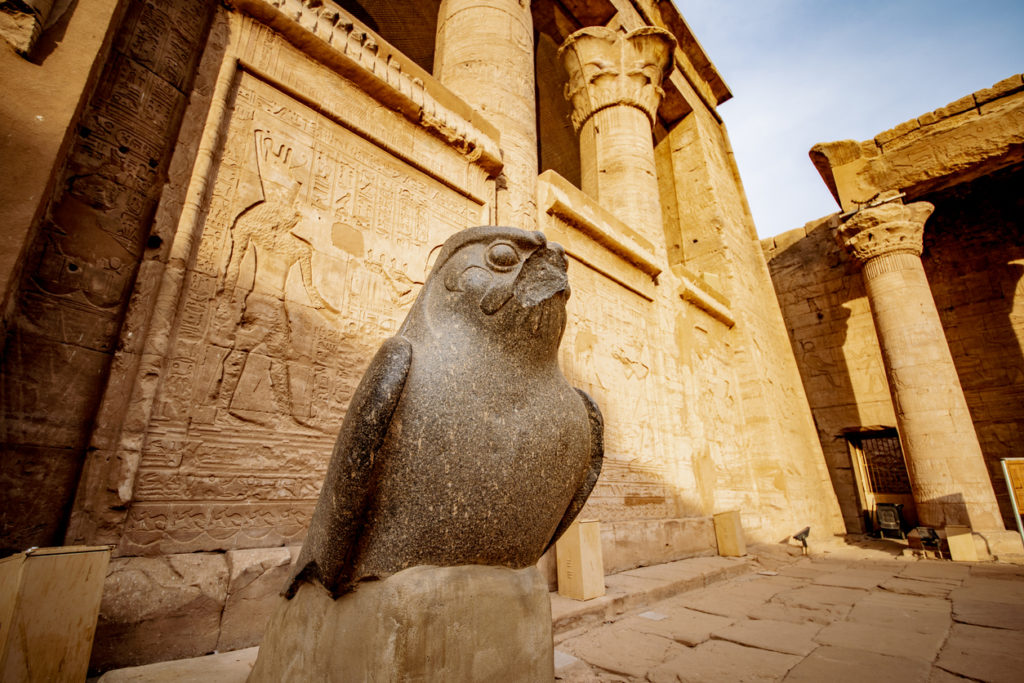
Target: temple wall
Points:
(311, 171)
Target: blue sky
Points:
(808, 71)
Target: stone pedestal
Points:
(729, 534)
(579, 560)
(615, 89)
(469, 623)
(947, 470)
(484, 53)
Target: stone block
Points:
(155, 609)
(622, 650)
(961, 543)
(580, 567)
(729, 534)
(1000, 89)
(468, 623)
(635, 543)
(255, 578)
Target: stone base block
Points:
(997, 543)
(639, 543)
(471, 623)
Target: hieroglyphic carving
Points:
(315, 242)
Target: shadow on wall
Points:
(832, 334)
(974, 260)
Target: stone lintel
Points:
(887, 228)
(609, 68)
(973, 136)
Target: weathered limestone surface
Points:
(471, 623)
(969, 138)
(171, 605)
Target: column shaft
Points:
(947, 469)
(484, 53)
(946, 466)
(615, 90)
(617, 162)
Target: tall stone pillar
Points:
(484, 54)
(947, 470)
(615, 89)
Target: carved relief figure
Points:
(272, 225)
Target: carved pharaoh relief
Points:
(884, 229)
(609, 67)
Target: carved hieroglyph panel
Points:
(614, 349)
(315, 244)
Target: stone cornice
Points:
(608, 68)
(338, 41)
(884, 229)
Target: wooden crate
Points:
(49, 602)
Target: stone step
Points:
(636, 588)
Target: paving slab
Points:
(804, 569)
(928, 588)
(936, 569)
(883, 640)
(984, 654)
(226, 667)
(680, 624)
(718, 661)
(992, 614)
(620, 650)
(847, 665)
(768, 634)
(819, 597)
(800, 615)
(903, 612)
(854, 578)
(991, 590)
(738, 597)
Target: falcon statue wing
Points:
(328, 553)
(596, 458)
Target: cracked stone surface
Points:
(817, 620)
(913, 620)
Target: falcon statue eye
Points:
(502, 256)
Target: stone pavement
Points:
(849, 615)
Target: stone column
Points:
(484, 54)
(615, 89)
(947, 470)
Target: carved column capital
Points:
(885, 229)
(608, 68)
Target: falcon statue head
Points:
(502, 282)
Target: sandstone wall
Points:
(973, 260)
(316, 170)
